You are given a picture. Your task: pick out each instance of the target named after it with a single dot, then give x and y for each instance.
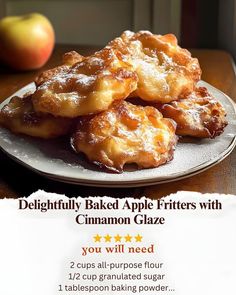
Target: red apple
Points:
(26, 42)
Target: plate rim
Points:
(147, 181)
(121, 184)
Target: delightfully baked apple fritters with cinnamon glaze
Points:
(198, 114)
(19, 116)
(165, 71)
(86, 95)
(89, 87)
(126, 133)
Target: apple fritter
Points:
(19, 116)
(126, 133)
(72, 57)
(198, 114)
(68, 60)
(88, 87)
(165, 70)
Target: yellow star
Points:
(107, 238)
(97, 238)
(117, 238)
(138, 238)
(128, 238)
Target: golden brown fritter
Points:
(88, 87)
(19, 116)
(126, 133)
(165, 70)
(68, 60)
(72, 57)
(198, 114)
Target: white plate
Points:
(56, 160)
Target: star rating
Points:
(118, 238)
(107, 238)
(128, 238)
(138, 238)
(97, 238)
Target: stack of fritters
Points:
(85, 97)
